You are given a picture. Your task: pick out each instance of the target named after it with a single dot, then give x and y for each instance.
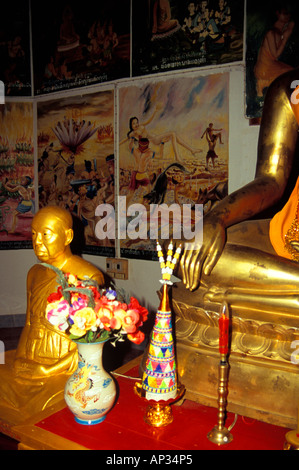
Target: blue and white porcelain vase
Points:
(90, 391)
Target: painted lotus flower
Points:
(72, 135)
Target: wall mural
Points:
(272, 48)
(15, 70)
(176, 34)
(173, 148)
(81, 45)
(76, 159)
(17, 204)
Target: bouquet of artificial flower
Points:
(87, 315)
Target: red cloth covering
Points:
(125, 429)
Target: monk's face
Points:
(50, 237)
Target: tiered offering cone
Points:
(160, 386)
(160, 375)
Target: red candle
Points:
(223, 334)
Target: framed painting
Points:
(272, 41)
(173, 149)
(176, 34)
(15, 59)
(76, 159)
(75, 45)
(17, 197)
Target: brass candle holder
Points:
(220, 434)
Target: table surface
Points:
(125, 429)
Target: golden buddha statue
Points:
(247, 262)
(35, 374)
(250, 262)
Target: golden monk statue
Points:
(36, 372)
(251, 263)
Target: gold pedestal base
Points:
(158, 415)
(292, 441)
(257, 350)
(220, 436)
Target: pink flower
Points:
(78, 304)
(57, 314)
(130, 320)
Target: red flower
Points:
(106, 323)
(135, 305)
(55, 296)
(137, 337)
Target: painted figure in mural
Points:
(190, 22)
(44, 357)
(68, 36)
(163, 24)
(26, 204)
(251, 263)
(211, 154)
(139, 130)
(110, 43)
(268, 66)
(209, 31)
(210, 132)
(142, 157)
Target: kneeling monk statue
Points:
(35, 374)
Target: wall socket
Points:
(117, 268)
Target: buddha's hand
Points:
(218, 295)
(199, 259)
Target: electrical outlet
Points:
(117, 268)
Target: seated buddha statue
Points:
(248, 262)
(246, 259)
(35, 374)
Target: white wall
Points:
(144, 276)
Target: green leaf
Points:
(84, 291)
(75, 338)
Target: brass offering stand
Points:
(220, 434)
(158, 413)
(292, 438)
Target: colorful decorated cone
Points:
(160, 377)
